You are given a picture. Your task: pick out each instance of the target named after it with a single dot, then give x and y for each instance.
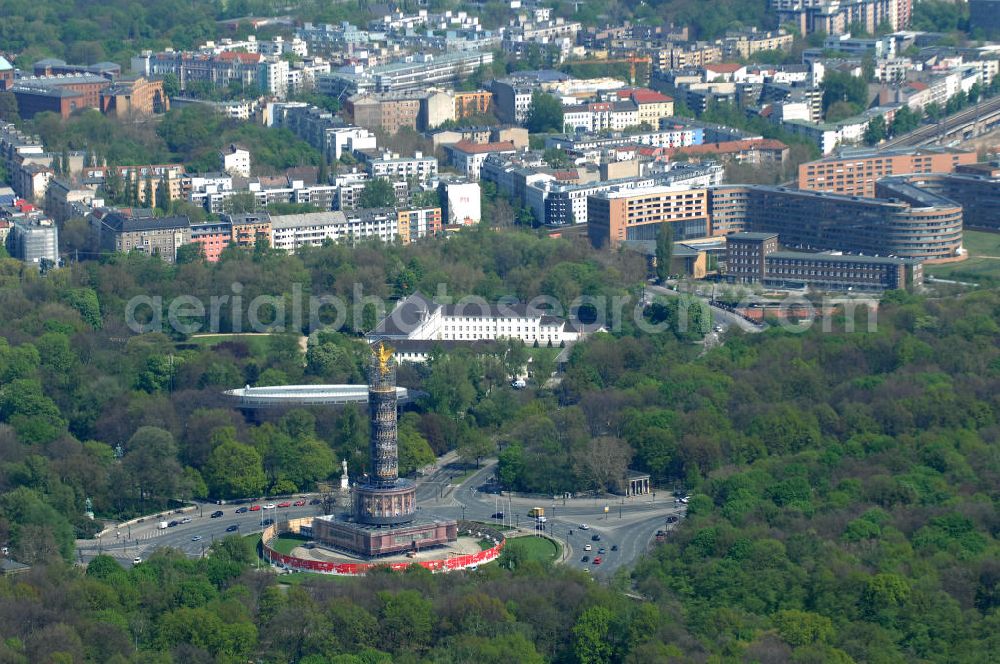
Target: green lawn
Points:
(256, 343)
(983, 264)
(284, 544)
(541, 549)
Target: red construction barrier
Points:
(357, 569)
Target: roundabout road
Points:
(630, 523)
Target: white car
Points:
(136, 560)
(269, 506)
(186, 519)
(587, 547)
(584, 526)
(685, 499)
(196, 538)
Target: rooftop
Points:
(840, 258)
(480, 148)
(751, 237)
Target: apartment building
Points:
(390, 111)
(468, 104)
(840, 272)
(247, 228)
(394, 167)
(686, 55)
(652, 105)
(156, 236)
(417, 223)
(744, 44)
(855, 172)
(468, 157)
(414, 72)
(34, 240)
(213, 236)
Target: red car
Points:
(285, 504)
(597, 560)
(255, 508)
(299, 503)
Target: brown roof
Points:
(732, 146)
(480, 148)
(724, 67)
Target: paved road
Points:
(631, 524)
(720, 317)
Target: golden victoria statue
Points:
(384, 353)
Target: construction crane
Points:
(632, 60)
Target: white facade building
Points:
(419, 318)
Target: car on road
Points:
(496, 515)
(233, 528)
(285, 504)
(196, 538)
(299, 503)
(216, 514)
(671, 519)
(584, 526)
(684, 499)
(136, 560)
(585, 559)
(614, 547)
(241, 510)
(267, 522)
(172, 524)
(587, 547)
(597, 560)
(269, 506)
(315, 501)
(602, 550)
(595, 538)
(255, 508)
(186, 519)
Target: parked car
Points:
(241, 510)
(285, 504)
(597, 560)
(595, 538)
(196, 538)
(268, 522)
(671, 519)
(587, 547)
(315, 501)
(172, 524)
(216, 514)
(136, 560)
(614, 547)
(602, 550)
(255, 508)
(233, 528)
(269, 506)
(497, 515)
(299, 503)
(584, 526)
(585, 559)
(186, 519)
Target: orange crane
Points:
(632, 60)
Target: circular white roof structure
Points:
(305, 395)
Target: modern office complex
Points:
(756, 258)
(34, 241)
(905, 221)
(854, 172)
(978, 194)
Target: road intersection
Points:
(629, 523)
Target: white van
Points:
(163, 525)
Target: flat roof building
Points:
(855, 172)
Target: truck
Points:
(536, 512)
(163, 525)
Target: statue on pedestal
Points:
(345, 482)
